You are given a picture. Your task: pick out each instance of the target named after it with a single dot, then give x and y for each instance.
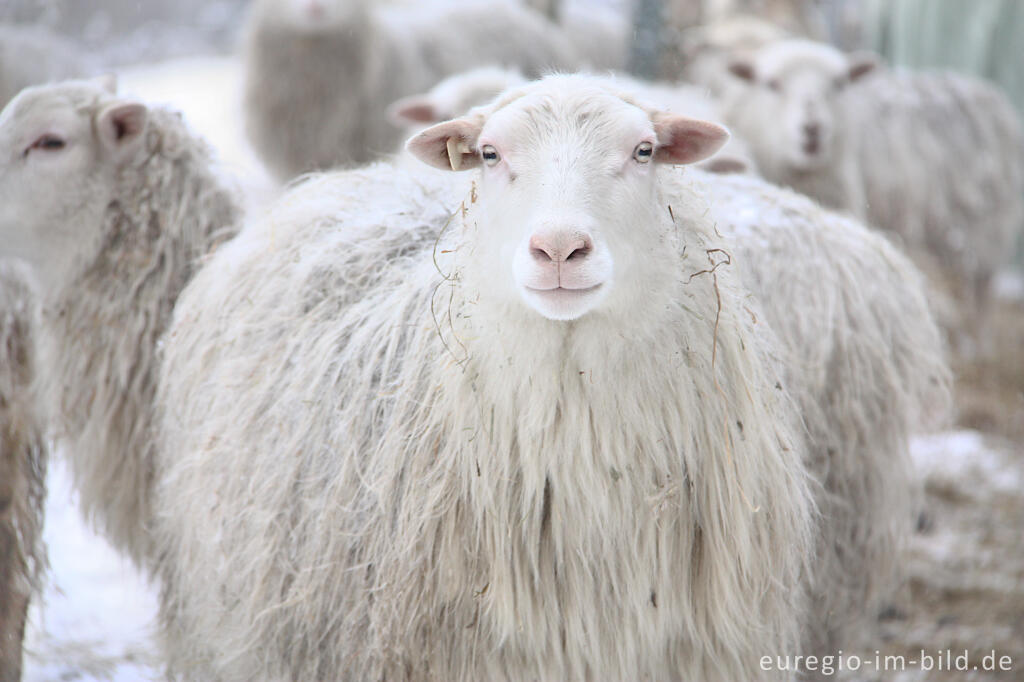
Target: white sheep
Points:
(23, 457)
(320, 73)
(789, 116)
(457, 94)
(540, 436)
(935, 158)
(137, 207)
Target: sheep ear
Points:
(743, 69)
(412, 110)
(725, 165)
(686, 140)
(120, 127)
(861, 64)
(449, 146)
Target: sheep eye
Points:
(47, 143)
(489, 154)
(643, 152)
(774, 85)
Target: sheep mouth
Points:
(560, 303)
(564, 293)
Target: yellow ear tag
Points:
(456, 148)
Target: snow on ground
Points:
(96, 618)
(1009, 285)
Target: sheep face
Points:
(795, 87)
(310, 16)
(61, 148)
(568, 218)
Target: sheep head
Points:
(311, 16)
(569, 200)
(62, 147)
(453, 96)
(796, 85)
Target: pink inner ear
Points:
(861, 68)
(743, 70)
(413, 109)
(431, 145)
(126, 120)
(686, 140)
(417, 112)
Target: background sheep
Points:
(935, 158)
(858, 340)
(788, 114)
(383, 459)
(321, 74)
(30, 55)
(949, 176)
(138, 207)
(22, 468)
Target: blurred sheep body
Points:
(139, 207)
(23, 462)
(866, 362)
(933, 157)
(942, 166)
(30, 55)
(318, 85)
(373, 436)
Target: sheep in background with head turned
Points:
(138, 207)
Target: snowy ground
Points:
(95, 620)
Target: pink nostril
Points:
(560, 247)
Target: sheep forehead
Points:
(786, 58)
(41, 102)
(564, 108)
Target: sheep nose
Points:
(812, 130)
(559, 247)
